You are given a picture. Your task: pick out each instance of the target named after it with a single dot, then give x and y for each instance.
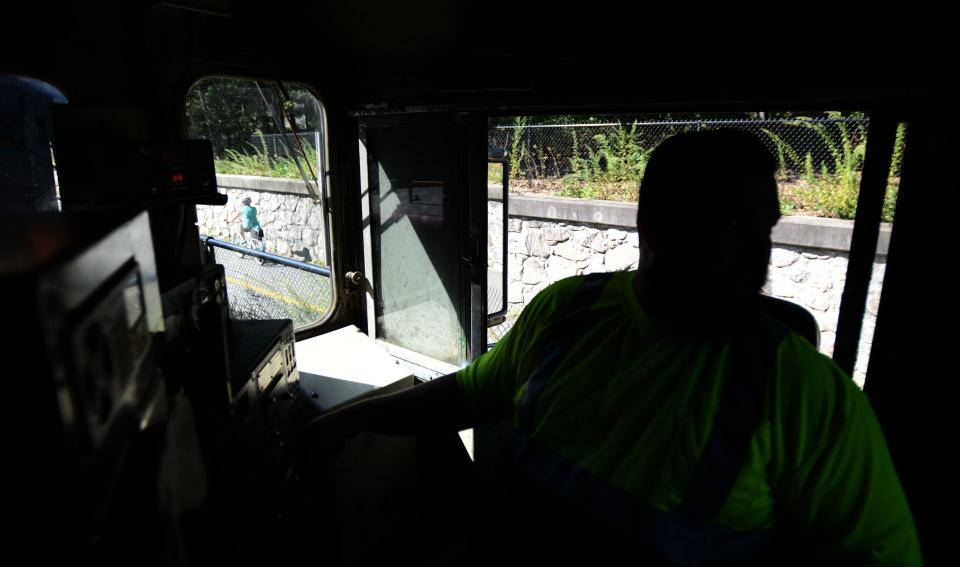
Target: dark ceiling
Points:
(428, 52)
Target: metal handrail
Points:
(312, 268)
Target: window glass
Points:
(268, 147)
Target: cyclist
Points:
(250, 229)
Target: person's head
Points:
(246, 201)
(708, 201)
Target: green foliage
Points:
(542, 157)
(847, 156)
(494, 173)
(517, 147)
(614, 164)
(822, 181)
(808, 174)
(785, 153)
(228, 112)
(829, 196)
(225, 112)
(898, 145)
(890, 201)
(893, 176)
(832, 191)
(258, 161)
(835, 190)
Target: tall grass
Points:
(834, 188)
(613, 164)
(258, 160)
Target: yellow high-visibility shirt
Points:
(633, 408)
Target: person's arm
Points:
(429, 407)
(480, 393)
(234, 217)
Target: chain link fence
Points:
(272, 290)
(820, 159)
(275, 145)
(802, 146)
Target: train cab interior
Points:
(158, 426)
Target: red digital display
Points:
(177, 178)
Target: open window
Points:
(273, 235)
(574, 183)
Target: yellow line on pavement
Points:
(275, 295)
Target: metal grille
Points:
(280, 288)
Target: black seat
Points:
(793, 316)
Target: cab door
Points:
(423, 188)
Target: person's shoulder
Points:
(567, 287)
(557, 296)
(811, 377)
(564, 288)
(559, 293)
(552, 300)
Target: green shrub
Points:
(612, 168)
(259, 161)
(518, 148)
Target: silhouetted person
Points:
(658, 415)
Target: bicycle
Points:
(252, 240)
